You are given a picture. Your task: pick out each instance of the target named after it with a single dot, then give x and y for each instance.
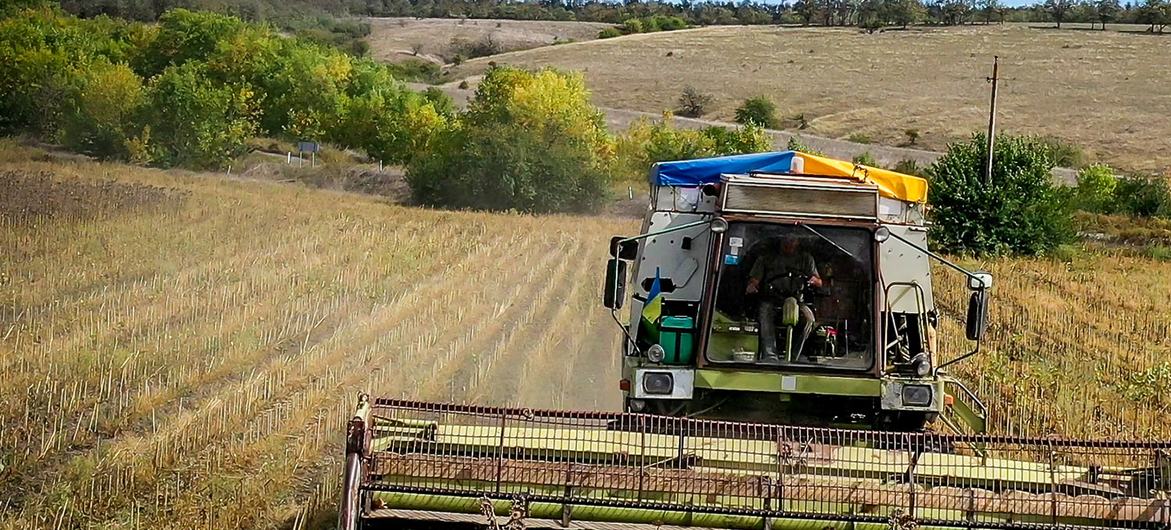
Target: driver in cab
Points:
(779, 275)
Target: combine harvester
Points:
(780, 370)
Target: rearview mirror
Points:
(620, 249)
(977, 322)
(615, 289)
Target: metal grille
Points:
(838, 201)
(662, 470)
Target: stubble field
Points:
(180, 350)
(185, 358)
(1103, 91)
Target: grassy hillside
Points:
(179, 350)
(1102, 91)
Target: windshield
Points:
(794, 295)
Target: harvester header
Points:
(780, 369)
(418, 461)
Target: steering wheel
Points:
(769, 288)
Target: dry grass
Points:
(188, 364)
(184, 358)
(394, 39)
(1104, 91)
(1076, 349)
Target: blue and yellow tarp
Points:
(694, 173)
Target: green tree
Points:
(1020, 212)
(197, 122)
(1095, 189)
(1058, 9)
(185, 36)
(529, 141)
(101, 109)
(1106, 11)
(759, 110)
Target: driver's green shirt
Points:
(777, 266)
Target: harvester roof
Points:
(692, 173)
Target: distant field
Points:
(1104, 91)
(392, 39)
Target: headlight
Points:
(922, 365)
(655, 353)
(658, 383)
(917, 395)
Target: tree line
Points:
(310, 16)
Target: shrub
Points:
(1064, 154)
(418, 70)
(529, 141)
(908, 167)
(1143, 196)
(692, 103)
(196, 122)
(646, 143)
(866, 159)
(1095, 189)
(795, 144)
(609, 33)
(1020, 212)
(860, 138)
(632, 25)
(101, 110)
(439, 99)
(759, 110)
(912, 136)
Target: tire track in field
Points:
(507, 378)
(507, 304)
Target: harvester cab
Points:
(788, 288)
(765, 292)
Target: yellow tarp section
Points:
(890, 183)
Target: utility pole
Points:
(991, 120)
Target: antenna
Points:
(991, 120)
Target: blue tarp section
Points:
(694, 173)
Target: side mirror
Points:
(623, 250)
(977, 322)
(615, 289)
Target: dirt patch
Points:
(26, 196)
(389, 182)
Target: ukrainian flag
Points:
(653, 308)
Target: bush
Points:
(632, 25)
(439, 99)
(101, 110)
(866, 159)
(693, 104)
(1095, 189)
(646, 143)
(1143, 196)
(1020, 212)
(759, 110)
(417, 70)
(795, 144)
(912, 136)
(1063, 153)
(609, 33)
(860, 138)
(196, 122)
(529, 141)
(908, 167)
